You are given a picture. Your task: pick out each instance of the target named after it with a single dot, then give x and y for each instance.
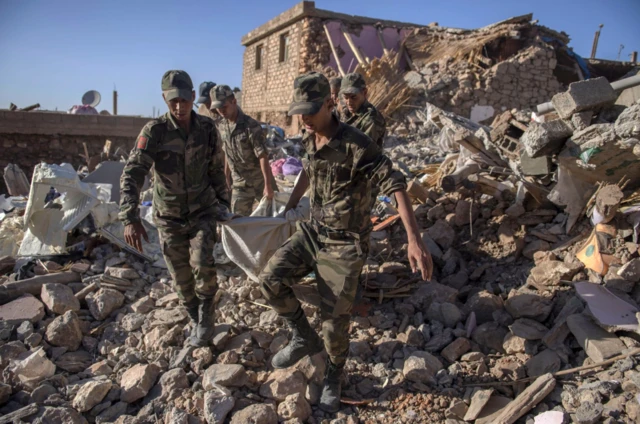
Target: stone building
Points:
(295, 42)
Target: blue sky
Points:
(52, 51)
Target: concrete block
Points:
(546, 138)
(597, 343)
(584, 95)
(534, 166)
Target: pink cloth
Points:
(276, 167)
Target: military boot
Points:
(304, 341)
(330, 398)
(202, 333)
(192, 309)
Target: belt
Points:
(333, 234)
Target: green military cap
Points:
(177, 84)
(219, 94)
(352, 83)
(309, 92)
(335, 82)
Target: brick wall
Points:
(28, 138)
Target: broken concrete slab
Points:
(527, 400)
(589, 94)
(544, 362)
(534, 166)
(25, 308)
(608, 309)
(545, 139)
(598, 344)
(16, 181)
(479, 399)
(630, 271)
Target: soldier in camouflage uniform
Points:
(189, 195)
(341, 164)
(359, 112)
(248, 170)
(335, 96)
(204, 101)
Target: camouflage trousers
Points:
(242, 198)
(337, 265)
(188, 250)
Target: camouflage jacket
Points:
(341, 175)
(204, 111)
(368, 120)
(188, 170)
(244, 143)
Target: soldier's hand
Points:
(268, 191)
(420, 258)
(133, 234)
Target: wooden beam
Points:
(382, 43)
(333, 50)
(354, 48)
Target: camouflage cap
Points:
(309, 92)
(352, 83)
(219, 94)
(203, 91)
(335, 82)
(177, 84)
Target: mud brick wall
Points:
(28, 138)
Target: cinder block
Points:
(534, 166)
(584, 95)
(547, 138)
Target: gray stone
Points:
(25, 308)
(421, 367)
(544, 362)
(513, 344)
(414, 79)
(456, 349)
(550, 273)
(59, 298)
(484, 304)
(255, 414)
(282, 383)
(132, 322)
(5, 393)
(217, 406)
(112, 413)
(228, 375)
(91, 394)
(64, 415)
(597, 343)
(630, 271)
(589, 413)
(175, 379)
(581, 120)
(628, 123)
(433, 247)
(64, 331)
(528, 304)
(137, 381)
(294, 407)
(125, 273)
(24, 330)
(545, 139)
(584, 95)
(104, 302)
(528, 329)
(479, 399)
(74, 362)
(490, 335)
(457, 409)
(143, 305)
(442, 233)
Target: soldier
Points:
(359, 112)
(335, 96)
(204, 101)
(189, 196)
(340, 165)
(248, 170)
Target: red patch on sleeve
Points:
(142, 142)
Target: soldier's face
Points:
(354, 101)
(321, 120)
(181, 108)
(335, 94)
(228, 109)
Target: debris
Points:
(608, 309)
(137, 381)
(91, 394)
(64, 331)
(32, 369)
(596, 342)
(529, 398)
(591, 94)
(13, 290)
(25, 308)
(104, 302)
(17, 416)
(16, 181)
(59, 298)
(479, 399)
(421, 367)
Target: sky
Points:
(52, 52)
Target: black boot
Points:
(330, 398)
(192, 309)
(304, 341)
(203, 332)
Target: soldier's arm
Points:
(374, 127)
(258, 144)
(136, 169)
(217, 174)
(378, 168)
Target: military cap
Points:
(309, 92)
(219, 94)
(177, 84)
(352, 83)
(335, 82)
(203, 91)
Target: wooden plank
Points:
(333, 50)
(354, 48)
(527, 400)
(382, 43)
(19, 414)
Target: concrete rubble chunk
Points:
(294, 407)
(421, 367)
(528, 304)
(628, 123)
(589, 94)
(282, 383)
(137, 381)
(528, 329)
(228, 375)
(217, 405)
(546, 139)
(457, 409)
(124, 273)
(479, 399)
(25, 308)
(483, 304)
(513, 344)
(527, 400)
(442, 233)
(490, 335)
(550, 273)
(59, 298)
(598, 344)
(104, 302)
(91, 394)
(74, 362)
(64, 331)
(33, 368)
(256, 413)
(5, 393)
(492, 409)
(544, 362)
(455, 350)
(630, 271)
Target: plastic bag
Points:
(274, 207)
(292, 166)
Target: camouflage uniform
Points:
(367, 119)
(244, 144)
(335, 243)
(189, 195)
(204, 98)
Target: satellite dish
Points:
(91, 98)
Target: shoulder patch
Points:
(142, 142)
